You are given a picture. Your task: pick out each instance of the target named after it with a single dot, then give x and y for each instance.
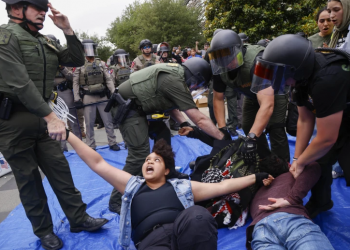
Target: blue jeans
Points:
(281, 231)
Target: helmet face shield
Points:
(224, 60)
(277, 76)
(195, 82)
(122, 60)
(90, 49)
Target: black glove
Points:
(249, 150)
(79, 104)
(185, 124)
(227, 135)
(259, 177)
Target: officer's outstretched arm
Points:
(116, 177)
(219, 108)
(265, 111)
(204, 123)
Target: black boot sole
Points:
(55, 248)
(90, 229)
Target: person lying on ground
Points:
(283, 222)
(158, 209)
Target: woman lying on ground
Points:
(158, 210)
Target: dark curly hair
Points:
(273, 165)
(163, 149)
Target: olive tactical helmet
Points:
(41, 4)
(225, 52)
(197, 73)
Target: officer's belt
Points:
(87, 92)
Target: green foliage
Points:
(261, 19)
(159, 21)
(105, 49)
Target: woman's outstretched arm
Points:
(204, 191)
(114, 176)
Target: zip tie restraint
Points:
(60, 108)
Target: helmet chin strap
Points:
(25, 20)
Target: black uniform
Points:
(326, 94)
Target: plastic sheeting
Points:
(16, 232)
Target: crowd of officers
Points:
(156, 86)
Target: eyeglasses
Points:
(147, 47)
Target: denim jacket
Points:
(182, 188)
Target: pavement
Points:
(9, 196)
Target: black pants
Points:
(321, 192)
(193, 229)
(26, 146)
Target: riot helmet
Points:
(286, 59)
(243, 37)
(163, 50)
(53, 38)
(40, 4)
(121, 58)
(197, 73)
(225, 52)
(90, 47)
(145, 44)
(263, 42)
(216, 31)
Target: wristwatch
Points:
(252, 136)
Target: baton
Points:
(91, 104)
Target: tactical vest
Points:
(91, 73)
(121, 74)
(243, 79)
(39, 56)
(144, 85)
(146, 63)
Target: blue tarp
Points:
(16, 231)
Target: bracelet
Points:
(294, 159)
(67, 134)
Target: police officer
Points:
(233, 65)
(146, 59)
(119, 69)
(93, 81)
(163, 53)
(28, 64)
(63, 85)
(162, 87)
(322, 95)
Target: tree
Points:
(159, 21)
(105, 49)
(261, 18)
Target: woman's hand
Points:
(277, 202)
(268, 181)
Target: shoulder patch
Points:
(5, 36)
